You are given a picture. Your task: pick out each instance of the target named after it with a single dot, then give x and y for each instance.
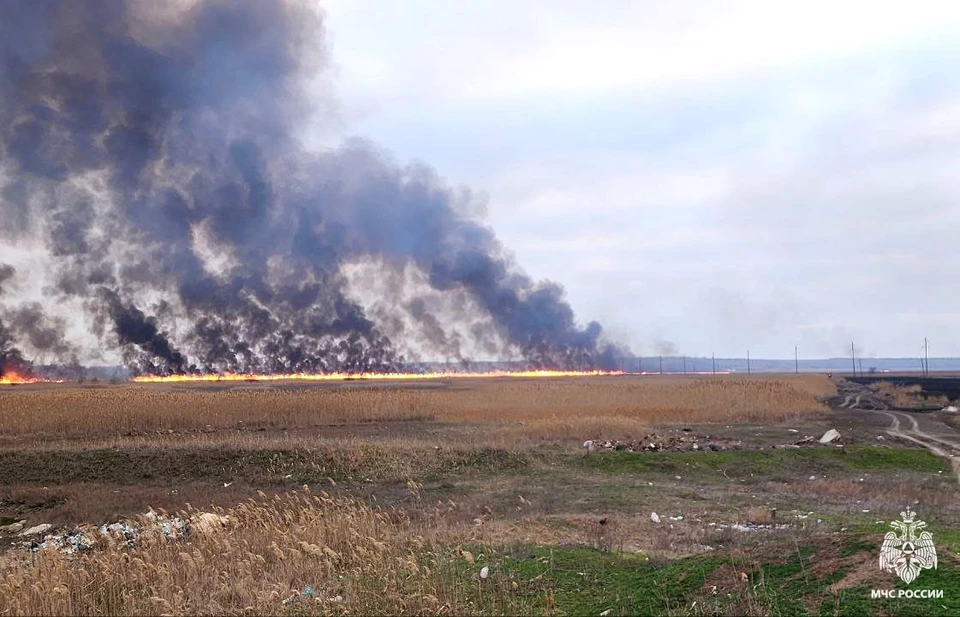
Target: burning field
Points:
(159, 211)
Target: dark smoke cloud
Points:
(666, 348)
(6, 273)
(135, 136)
(11, 358)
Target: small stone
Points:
(36, 530)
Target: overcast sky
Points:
(719, 175)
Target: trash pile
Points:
(686, 441)
(125, 534)
(753, 526)
(309, 594)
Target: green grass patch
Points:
(580, 581)
(787, 582)
(765, 463)
(857, 544)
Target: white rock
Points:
(484, 572)
(831, 435)
(654, 517)
(36, 530)
(792, 430)
(588, 444)
(951, 408)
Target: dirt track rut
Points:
(917, 427)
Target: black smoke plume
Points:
(154, 147)
(11, 358)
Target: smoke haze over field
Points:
(153, 182)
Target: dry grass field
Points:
(390, 498)
(557, 407)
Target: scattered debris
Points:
(830, 436)
(125, 533)
(684, 441)
(654, 517)
(752, 526)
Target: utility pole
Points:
(713, 358)
(748, 362)
(796, 360)
(639, 364)
(661, 365)
(684, 365)
(853, 358)
(926, 359)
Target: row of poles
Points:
(858, 362)
(713, 361)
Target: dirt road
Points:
(917, 427)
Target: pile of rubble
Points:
(832, 436)
(685, 441)
(125, 534)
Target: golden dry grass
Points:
(908, 396)
(549, 408)
(355, 558)
(902, 395)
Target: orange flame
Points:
(365, 376)
(12, 377)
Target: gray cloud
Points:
(805, 199)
